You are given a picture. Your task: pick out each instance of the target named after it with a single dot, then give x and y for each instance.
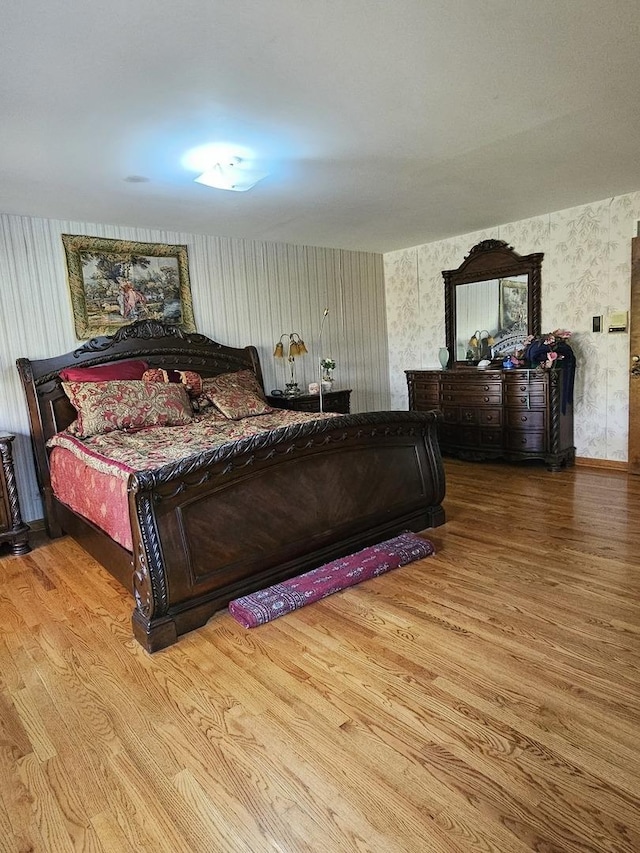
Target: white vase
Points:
(443, 356)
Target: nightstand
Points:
(12, 528)
(332, 401)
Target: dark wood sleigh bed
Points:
(248, 514)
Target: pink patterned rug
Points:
(267, 604)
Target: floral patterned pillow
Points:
(132, 404)
(237, 395)
(191, 380)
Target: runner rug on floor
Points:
(267, 604)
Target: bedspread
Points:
(121, 453)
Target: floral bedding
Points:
(121, 452)
(90, 475)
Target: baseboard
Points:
(611, 464)
(36, 524)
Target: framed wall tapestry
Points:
(115, 282)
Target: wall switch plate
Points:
(596, 324)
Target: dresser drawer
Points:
(490, 417)
(471, 415)
(426, 398)
(461, 436)
(528, 388)
(526, 419)
(486, 383)
(533, 400)
(528, 378)
(424, 390)
(450, 414)
(470, 436)
(526, 441)
(491, 438)
(473, 398)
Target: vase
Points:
(443, 356)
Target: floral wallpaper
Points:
(585, 272)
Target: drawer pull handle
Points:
(489, 417)
(486, 399)
(523, 387)
(524, 418)
(486, 387)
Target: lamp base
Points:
(291, 389)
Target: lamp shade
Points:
(294, 346)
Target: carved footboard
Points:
(231, 521)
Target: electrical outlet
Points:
(596, 324)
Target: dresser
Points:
(498, 414)
(332, 401)
(12, 528)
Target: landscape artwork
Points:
(115, 282)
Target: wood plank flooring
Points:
(484, 699)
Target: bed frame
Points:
(233, 520)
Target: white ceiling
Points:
(383, 123)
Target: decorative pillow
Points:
(108, 406)
(191, 380)
(236, 395)
(105, 372)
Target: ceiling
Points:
(382, 123)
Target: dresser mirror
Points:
(492, 302)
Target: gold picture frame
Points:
(115, 282)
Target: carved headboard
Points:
(160, 345)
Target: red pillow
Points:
(105, 372)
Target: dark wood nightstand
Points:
(332, 401)
(12, 528)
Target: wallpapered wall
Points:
(585, 272)
(243, 292)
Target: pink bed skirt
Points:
(100, 498)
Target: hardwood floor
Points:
(484, 699)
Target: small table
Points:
(332, 401)
(12, 528)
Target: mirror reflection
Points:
(491, 317)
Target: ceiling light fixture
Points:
(231, 173)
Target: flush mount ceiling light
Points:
(232, 173)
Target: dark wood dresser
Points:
(491, 414)
(12, 528)
(332, 401)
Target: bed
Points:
(247, 513)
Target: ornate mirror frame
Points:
(491, 259)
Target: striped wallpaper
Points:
(243, 292)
